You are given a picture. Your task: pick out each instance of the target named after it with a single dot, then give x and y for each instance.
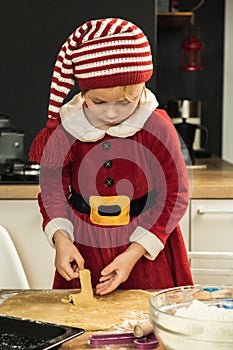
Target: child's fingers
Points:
(106, 277)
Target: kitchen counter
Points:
(19, 191)
(210, 178)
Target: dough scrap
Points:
(106, 313)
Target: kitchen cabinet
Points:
(207, 224)
(211, 240)
(184, 225)
(22, 220)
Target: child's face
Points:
(111, 106)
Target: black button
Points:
(108, 182)
(108, 164)
(106, 145)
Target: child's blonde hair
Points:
(126, 93)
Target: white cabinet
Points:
(184, 225)
(207, 228)
(211, 240)
(22, 219)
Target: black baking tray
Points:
(21, 334)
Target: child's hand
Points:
(68, 260)
(118, 271)
(113, 275)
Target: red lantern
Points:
(191, 53)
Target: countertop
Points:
(212, 178)
(209, 178)
(45, 300)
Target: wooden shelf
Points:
(173, 20)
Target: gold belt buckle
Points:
(110, 210)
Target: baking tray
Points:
(21, 334)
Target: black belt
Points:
(136, 205)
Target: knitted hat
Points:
(99, 54)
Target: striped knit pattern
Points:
(99, 54)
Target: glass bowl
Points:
(195, 317)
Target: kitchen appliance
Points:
(13, 167)
(187, 133)
(11, 140)
(193, 135)
(17, 171)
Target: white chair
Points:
(12, 274)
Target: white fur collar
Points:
(75, 122)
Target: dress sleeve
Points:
(171, 185)
(53, 201)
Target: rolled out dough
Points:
(105, 313)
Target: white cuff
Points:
(59, 224)
(148, 241)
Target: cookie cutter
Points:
(227, 303)
(144, 343)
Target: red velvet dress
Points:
(150, 160)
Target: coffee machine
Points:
(13, 166)
(186, 117)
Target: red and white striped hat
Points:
(99, 54)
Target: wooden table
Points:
(79, 342)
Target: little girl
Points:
(113, 183)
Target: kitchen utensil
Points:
(142, 328)
(149, 342)
(193, 317)
(227, 303)
(146, 343)
(111, 338)
(22, 334)
(184, 109)
(187, 133)
(186, 117)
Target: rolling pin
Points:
(142, 328)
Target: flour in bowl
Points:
(201, 311)
(199, 327)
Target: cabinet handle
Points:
(205, 271)
(214, 211)
(210, 255)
